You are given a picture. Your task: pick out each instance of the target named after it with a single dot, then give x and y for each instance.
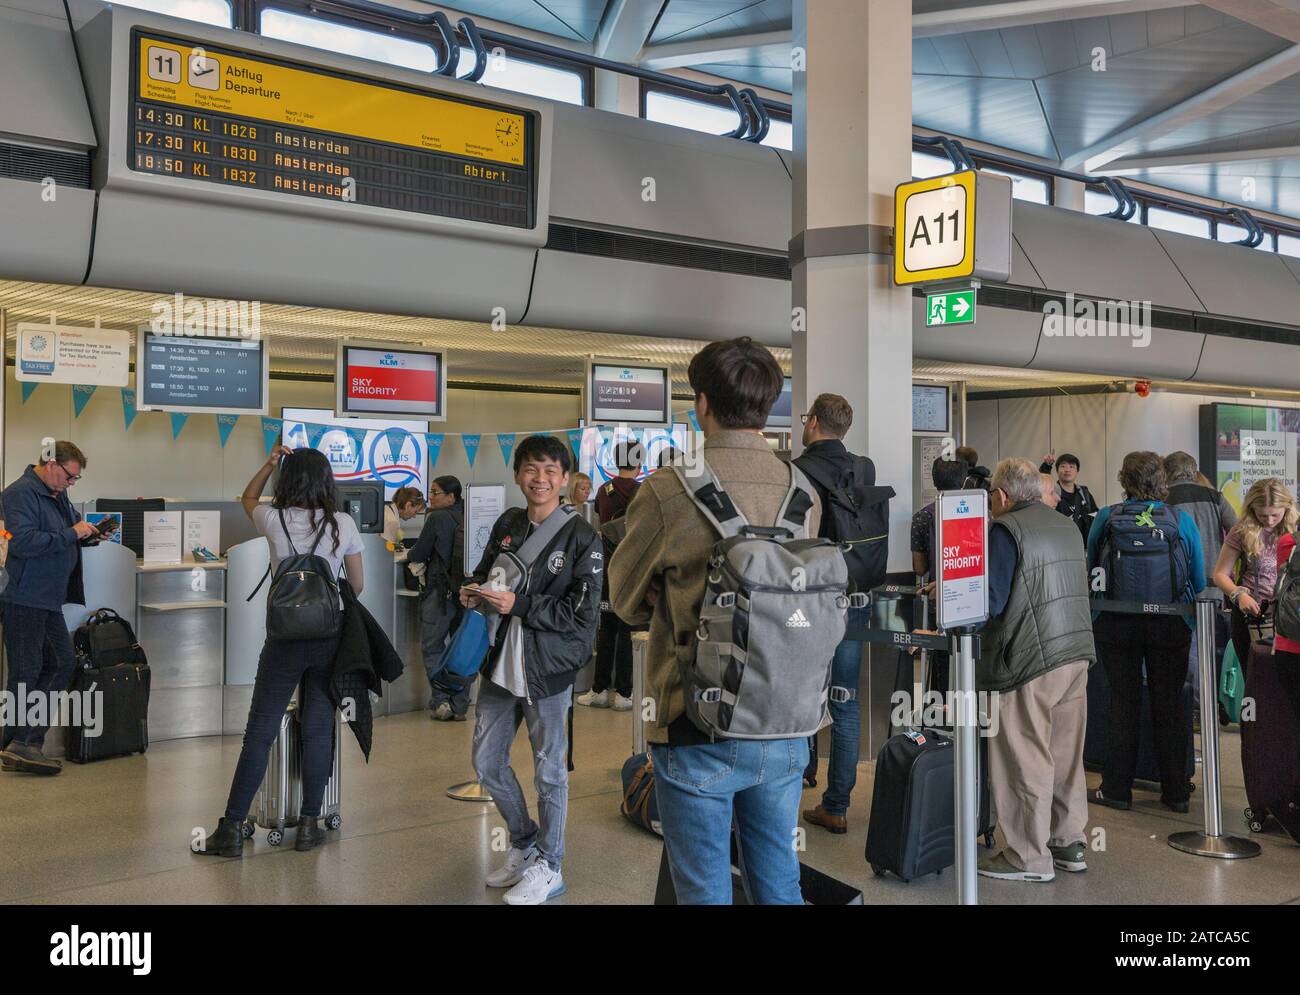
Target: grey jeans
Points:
(499, 714)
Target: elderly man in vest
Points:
(1035, 652)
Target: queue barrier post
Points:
(965, 646)
(1212, 842)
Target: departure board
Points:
(200, 374)
(215, 115)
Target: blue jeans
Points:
(498, 716)
(846, 667)
(280, 669)
(703, 789)
(40, 657)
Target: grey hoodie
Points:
(1213, 517)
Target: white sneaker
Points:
(513, 870)
(593, 700)
(621, 704)
(540, 884)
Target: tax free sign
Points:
(953, 227)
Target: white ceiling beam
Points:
(1175, 159)
(625, 28)
(1223, 94)
(676, 55)
(1280, 17)
(1015, 13)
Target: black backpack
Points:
(856, 516)
(303, 600)
(1143, 554)
(106, 639)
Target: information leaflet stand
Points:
(962, 603)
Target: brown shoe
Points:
(837, 824)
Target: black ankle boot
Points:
(227, 840)
(310, 834)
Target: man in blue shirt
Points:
(44, 574)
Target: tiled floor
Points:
(119, 831)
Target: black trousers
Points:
(613, 656)
(1125, 643)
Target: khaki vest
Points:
(1046, 623)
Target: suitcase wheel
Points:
(333, 821)
(1255, 826)
(877, 870)
(275, 837)
(248, 830)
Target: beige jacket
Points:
(669, 541)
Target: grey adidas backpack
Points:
(773, 613)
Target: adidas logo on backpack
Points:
(752, 676)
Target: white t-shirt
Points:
(302, 530)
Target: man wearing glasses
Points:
(44, 567)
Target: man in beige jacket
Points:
(658, 576)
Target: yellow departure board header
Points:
(320, 100)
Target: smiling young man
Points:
(540, 583)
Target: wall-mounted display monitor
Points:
(1243, 443)
(364, 501)
(627, 392)
(931, 408)
(383, 380)
(201, 374)
(392, 452)
(598, 454)
(218, 115)
(782, 414)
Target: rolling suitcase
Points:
(121, 698)
(279, 799)
(912, 816)
(112, 684)
(1269, 745)
(1098, 724)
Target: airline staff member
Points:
(406, 504)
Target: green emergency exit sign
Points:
(956, 307)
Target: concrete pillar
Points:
(617, 93)
(852, 147)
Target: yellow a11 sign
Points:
(953, 227)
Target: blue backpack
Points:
(1143, 554)
(468, 647)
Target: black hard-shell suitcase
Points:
(1269, 745)
(912, 816)
(1095, 732)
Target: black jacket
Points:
(830, 459)
(559, 605)
(365, 659)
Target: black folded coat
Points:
(365, 659)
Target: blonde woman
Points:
(1247, 566)
(579, 490)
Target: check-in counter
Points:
(203, 637)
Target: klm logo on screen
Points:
(388, 359)
(625, 375)
(962, 507)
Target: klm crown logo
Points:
(962, 507)
(388, 359)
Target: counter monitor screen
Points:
(628, 393)
(375, 380)
(210, 374)
(219, 115)
(930, 407)
(782, 413)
